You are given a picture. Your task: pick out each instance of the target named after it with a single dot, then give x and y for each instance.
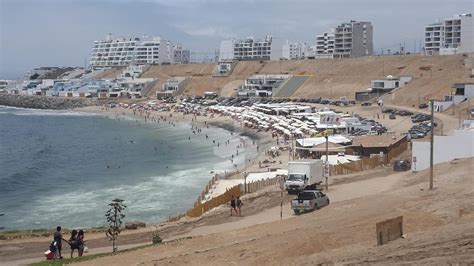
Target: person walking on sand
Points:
(239, 204)
(73, 242)
(80, 242)
(233, 206)
(58, 238)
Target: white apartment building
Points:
(153, 50)
(181, 55)
(295, 50)
(325, 45)
(452, 35)
(119, 51)
(347, 40)
(251, 49)
(434, 38)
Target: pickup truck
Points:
(309, 200)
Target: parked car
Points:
(401, 165)
(324, 101)
(366, 104)
(309, 200)
(423, 105)
(392, 116)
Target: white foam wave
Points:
(150, 200)
(41, 112)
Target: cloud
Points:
(206, 31)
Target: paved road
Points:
(291, 86)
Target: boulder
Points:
(134, 225)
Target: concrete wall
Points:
(440, 106)
(469, 90)
(446, 148)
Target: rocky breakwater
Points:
(43, 102)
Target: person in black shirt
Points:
(233, 206)
(58, 238)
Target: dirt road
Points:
(343, 231)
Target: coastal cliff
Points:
(43, 102)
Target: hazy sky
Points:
(61, 32)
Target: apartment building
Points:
(295, 50)
(120, 51)
(325, 45)
(347, 40)
(181, 55)
(152, 50)
(450, 36)
(353, 39)
(251, 49)
(434, 38)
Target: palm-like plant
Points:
(114, 218)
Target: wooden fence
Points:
(200, 208)
(368, 163)
(260, 184)
(389, 230)
(213, 180)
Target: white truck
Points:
(304, 174)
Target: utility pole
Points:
(431, 143)
(452, 99)
(459, 120)
(292, 146)
(383, 68)
(326, 165)
(282, 186)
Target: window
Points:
(306, 196)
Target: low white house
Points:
(133, 71)
(262, 85)
(390, 83)
(462, 92)
(380, 87)
(173, 86)
(224, 68)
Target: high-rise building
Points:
(349, 39)
(119, 51)
(251, 49)
(452, 35)
(353, 39)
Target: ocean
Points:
(64, 167)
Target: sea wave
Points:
(40, 112)
(151, 200)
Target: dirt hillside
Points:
(329, 78)
(110, 73)
(438, 227)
